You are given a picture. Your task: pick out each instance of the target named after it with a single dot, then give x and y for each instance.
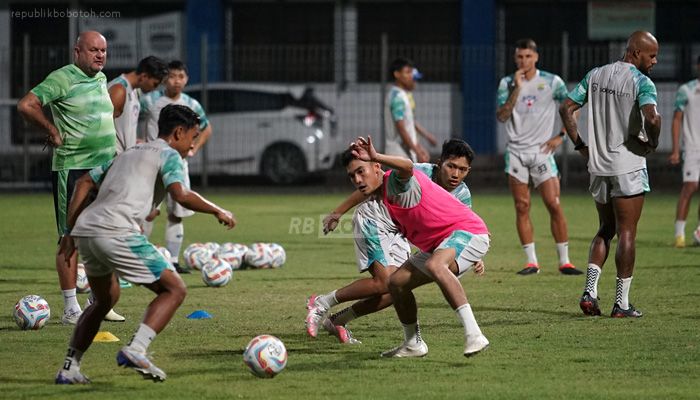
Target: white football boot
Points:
(475, 344)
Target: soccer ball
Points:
(166, 254)
(279, 256)
(214, 247)
(31, 312)
(696, 237)
(82, 285)
(232, 253)
(196, 255)
(216, 272)
(258, 255)
(265, 356)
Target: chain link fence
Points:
(286, 111)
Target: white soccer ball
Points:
(31, 312)
(166, 254)
(265, 356)
(82, 285)
(258, 256)
(232, 253)
(279, 256)
(216, 272)
(214, 247)
(196, 255)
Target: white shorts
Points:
(172, 206)
(377, 238)
(604, 188)
(469, 249)
(538, 166)
(133, 258)
(691, 167)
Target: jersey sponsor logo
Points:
(603, 90)
(541, 86)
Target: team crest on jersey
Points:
(529, 100)
(541, 86)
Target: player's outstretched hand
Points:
(66, 248)
(363, 149)
(479, 267)
(674, 158)
(226, 218)
(330, 222)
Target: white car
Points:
(283, 133)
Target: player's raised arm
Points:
(364, 150)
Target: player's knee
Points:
(381, 284)
(435, 267)
(522, 206)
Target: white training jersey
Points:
(127, 122)
(153, 102)
(399, 106)
(532, 121)
(688, 102)
(615, 93)
(129, 187)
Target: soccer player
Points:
(527, 105)
(687, 115)
(400, 125)
(108, 236)
(619, 137)
(379, 246)
(452, 240)
(152, 103)
(82, 136)
(125, 92)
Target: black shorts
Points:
(63, 183)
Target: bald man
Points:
(82, 136)
(619, 138)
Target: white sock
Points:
(592, 275)
(142, 338)
(530, 252)
(70, 301)
(563, 251)
(680, 228)
(343, 316)
(327, 300)
(174, 233)
(623, 292)
(73, 357)
(147, 227)
(465, 314)
(411, 334)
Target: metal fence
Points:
(261, 100)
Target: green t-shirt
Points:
(83, 114)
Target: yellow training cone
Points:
(105, 337)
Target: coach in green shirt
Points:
(82, 136)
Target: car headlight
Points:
(319, 134)
(310, 139)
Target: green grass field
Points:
(541, 344)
